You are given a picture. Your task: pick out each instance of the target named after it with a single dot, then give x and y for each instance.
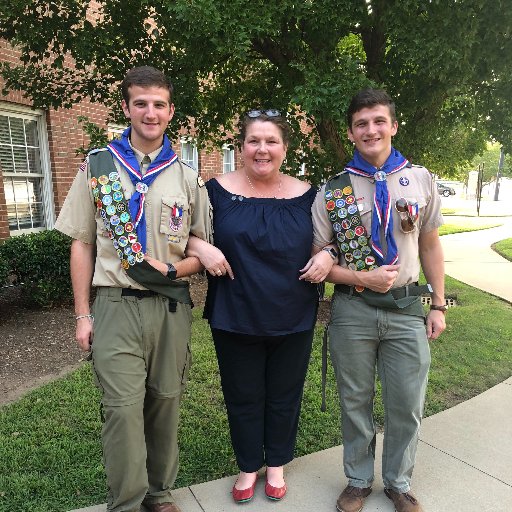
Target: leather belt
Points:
(412, 289)
(140, 294)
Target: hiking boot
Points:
(352, 498)
(404, 502)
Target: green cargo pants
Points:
(141, 359)
(361, 339)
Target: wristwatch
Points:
(172, 273)
(438, 308)
(333, 253)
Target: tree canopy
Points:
(447, 64)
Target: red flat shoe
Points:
(275, 493)
(244, 495)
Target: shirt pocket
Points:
(418, 203)
(175, 216)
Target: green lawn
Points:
(504, 248)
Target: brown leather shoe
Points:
(163, 507)
(352, 498)
(404, 502)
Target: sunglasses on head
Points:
(269, 113)
(408, 214)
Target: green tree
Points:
(490, 160)
(447, 63)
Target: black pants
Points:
(262, 381)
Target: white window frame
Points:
(188, 142)
(37, 115)
(228, 158)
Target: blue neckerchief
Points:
(381, 216)
(124, 154)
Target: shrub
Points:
(39, 263)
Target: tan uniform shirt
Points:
(416, 185)
(176, 185)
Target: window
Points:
(228, 159)
(189, 153)
(25, 169)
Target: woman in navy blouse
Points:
(262, 299)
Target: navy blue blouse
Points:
(266, 242)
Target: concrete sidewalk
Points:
(463, 464)
(464, 460)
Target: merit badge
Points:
(359, 264)
(350, 234)
(404, 181)
(328, 194)
(355, 221)
(332, 216)
(125, 264)
(106, 189)
(103, 180)
(337, 193)
(119, 229)
(131, 259)
(336, 226)
(113, 176)
(344, 247)
(116, 186)
(125, 217)
(362, 240)
(176, 220)
(110, 209)
(340, 203)
(141, 188)
(366, 250)
(353, 244)
(350, 199)
(359, 230)
(94, 182)
(115, 220)
(123, 241)
(107, 200)
(349, 257)
(340, 237)
(330, 205)
(129, 227)
(96, 192)
(342, 213)
(127, 250)
(357, 254)
(369, 260)
(352, 209)
(121, 207)
(347, 191)
(136, 247)
(119, 253)
(132, 237)
(118, 196)
(115, 244)
(103, 213)
(352, 266)
(345, 223)
(139, 257)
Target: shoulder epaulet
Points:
(187, 165)
(416, 165)
(333, 177)
(96, 150)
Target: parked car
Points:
(445, 190)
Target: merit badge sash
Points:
(113, 208)
(351, 236)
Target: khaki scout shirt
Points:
(415, 184)
(177, 185)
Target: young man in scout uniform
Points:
(384, 213)
(130, 210)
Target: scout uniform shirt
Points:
(416, 185)
(178, 186)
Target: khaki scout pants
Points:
(141, 358)
(361, 337)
